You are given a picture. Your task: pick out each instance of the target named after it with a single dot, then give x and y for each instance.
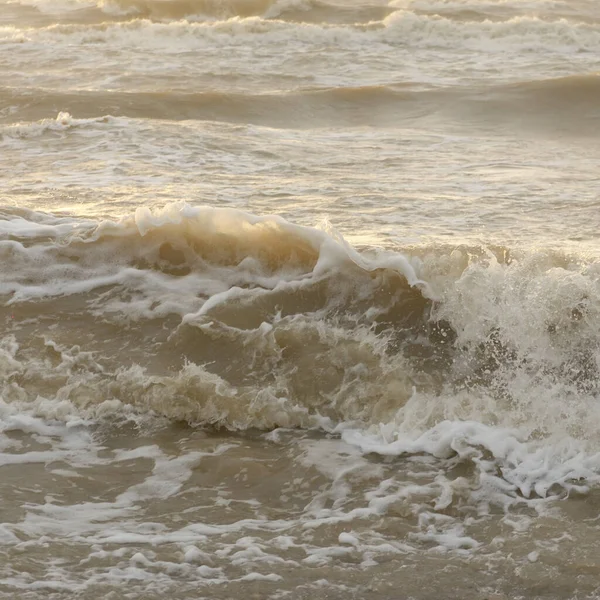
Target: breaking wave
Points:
(215, 315)
(225, 319)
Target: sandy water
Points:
(299, 299)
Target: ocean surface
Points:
(299, 299)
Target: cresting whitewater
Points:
(299, 299)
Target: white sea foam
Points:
(63, 122)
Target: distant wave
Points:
(315, 11)
(400, 27)
(41, 13)
(46, 12)
(459, 10)
(567, 105)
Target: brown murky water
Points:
(299, 299)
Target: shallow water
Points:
(299, 299)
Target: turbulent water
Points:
(299, 299)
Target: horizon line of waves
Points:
(400, 28)
(43, 12)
